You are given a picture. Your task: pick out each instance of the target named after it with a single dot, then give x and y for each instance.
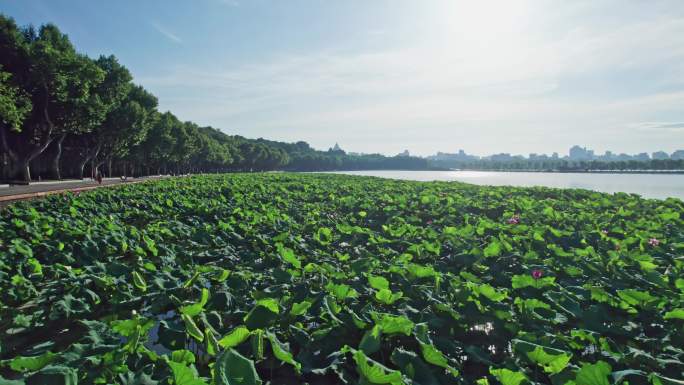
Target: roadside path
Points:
(13, 193)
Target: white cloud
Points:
(168, 34)
(466, 77)
(673, 127)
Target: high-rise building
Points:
(580, 153)
(677, 155)
(660, 155)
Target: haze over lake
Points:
(647, 185)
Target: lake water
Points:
(647, 185)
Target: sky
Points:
(517, 76)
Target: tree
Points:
(93, 113)
(14, 107)
(156, 151)
(59, 81)
(127, 125)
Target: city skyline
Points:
(575, 152)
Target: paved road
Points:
(37, 189)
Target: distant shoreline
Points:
(662, 172)
(655, 172)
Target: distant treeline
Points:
(63, 114)
(562, 165)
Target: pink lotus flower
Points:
(653, 242)
(429, 222)
(536, 274)
(514, 220)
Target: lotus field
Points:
(330, 279)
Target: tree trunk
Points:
(56, 174)
(81, 167)
(93, 161)
(10, 157)
(4, 167)
(109, 167)
(23, 172)
(96, 168)
(23, 165)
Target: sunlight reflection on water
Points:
(647, 185)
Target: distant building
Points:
(607, 156)
(503, 157)
(461, 156)
(576, 154)
(580, 153)
(404, 154)
(336, 149)
(660, 155)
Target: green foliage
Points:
(235, 337)
(493, 249)
(230, 279)
(552, 363)
(289, 256)
(139, 281)
(192, 329)
(374, 372)
(232, 368)
(196, 308)
(508, 377)
(54, 375)
(300, 308)
(183, 356)
(675, 314)
(282, 352)
(14, 104)
(378, 283)
(593, 374)
(324, 235)
(184, 375)
(526, 280)
(31, 364)
(387, 297)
